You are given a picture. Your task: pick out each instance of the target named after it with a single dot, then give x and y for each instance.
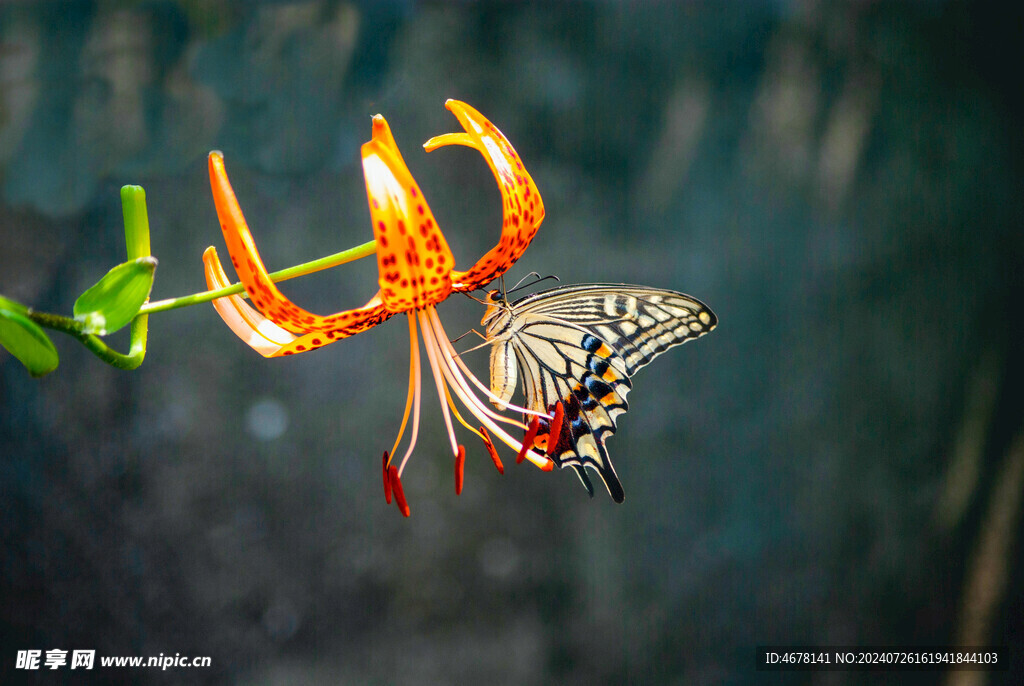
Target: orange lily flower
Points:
(416, 272)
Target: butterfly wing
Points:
(562, 364)
(579, 345)
(638, 322)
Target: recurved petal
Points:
(266, 337)
(522, 208)
(366, 317)
(413, 258)
(261, 334)
(264, 294)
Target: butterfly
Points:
(577, 346)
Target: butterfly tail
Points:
(581, 472)
(579, 447)
(608, 475)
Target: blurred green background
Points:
(840, 462)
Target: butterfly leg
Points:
(456, 340)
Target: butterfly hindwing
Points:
(578, 346)
(557, 354)
(587, 419)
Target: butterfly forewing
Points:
(578, 345)
(639, 322)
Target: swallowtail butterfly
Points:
(578, 345)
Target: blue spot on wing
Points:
(591, 343)
(597, 365)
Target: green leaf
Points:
(116, 298)
(26, 341)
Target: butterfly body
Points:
(578, 345)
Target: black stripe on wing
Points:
(638, 322)
(550, 368)
(600, 383)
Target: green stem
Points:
(136, 237)
(137, 349)
(73, 327)
(136, 227)
(356, 253)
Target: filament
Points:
(414, 353)
(432, 354)
(453, 376)
(455, 410)
(487, 391)
(453, 356)
(413, 345)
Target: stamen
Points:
(477, 408)
(531, 434)
(489, 444)
(505, 405)
(433, 351)
(458, 384)
(458, 415)
(387, 481)
(460, 464)
(414, 354)
(481, 413)
(396, 484)
(446, 344)
(556, 428)
(414, 345)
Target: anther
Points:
(556, 428)
(387, 479)
(396, 485)
(489, 444)
(460, 464)
(531, 433)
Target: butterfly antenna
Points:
(519, 284)
(538, 280)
